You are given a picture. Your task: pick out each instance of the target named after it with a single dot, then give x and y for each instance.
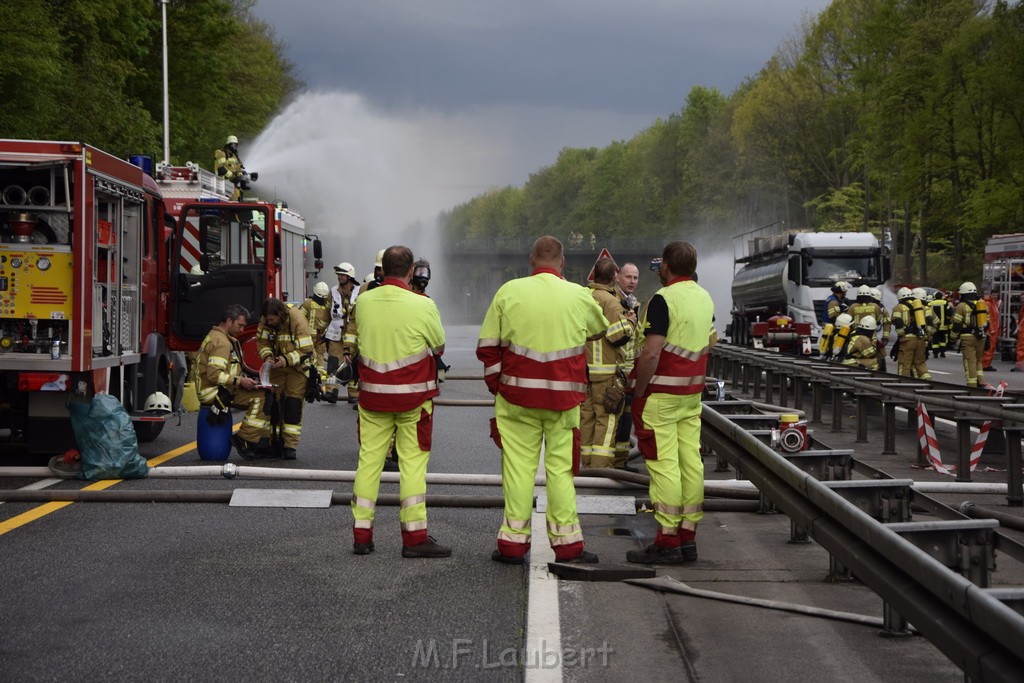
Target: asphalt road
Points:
(210, 592)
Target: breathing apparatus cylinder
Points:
(826, 336)
(842, 336)
(980, 314)
(917, 310)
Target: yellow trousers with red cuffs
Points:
(413, 431)
(668, 436)
(521, 433)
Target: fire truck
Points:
(228, 252)
(103, 288)
(1003, 276)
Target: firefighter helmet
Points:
(345, 268)
(841, 286)
(904, 293)
(939, 295)
(158, 401)
(844, 319)
(920, 293)
(968, 288)
(322, 290)
(232, 140)
(863, 290)
(379, 261)
(868, 323)
(876, 294)
(421, 272)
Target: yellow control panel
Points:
(36, 281)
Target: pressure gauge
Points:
(15, 262)
(43, 263)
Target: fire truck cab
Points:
(224, 252)
(81, 243)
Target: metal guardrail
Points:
(962, 404)
(973, 628)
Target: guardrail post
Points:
(769, 386)
(1014, 477)
(816, 398)
(799, 386)
(757, 382)
(837, 410)
(783, 389)
(734, 366)
(889, 429)
(747, 370)
(963, 450)
(862, 418)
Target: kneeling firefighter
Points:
(284, 341)
(861, 349)
(221, 384)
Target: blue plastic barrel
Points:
(213, 441)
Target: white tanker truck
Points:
(792, 273)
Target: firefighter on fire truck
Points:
(229, 166)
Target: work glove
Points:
(312, 385)
(220, 409)
(894, 353)
(442, 369)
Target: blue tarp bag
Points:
(106, 438)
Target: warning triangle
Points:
(604, 254)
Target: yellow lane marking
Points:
(46, 508)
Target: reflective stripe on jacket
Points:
(219, 364)
(684, 358)
(606, 354)
(289, 340)
(533, 341)
(398, 331)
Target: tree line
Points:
(902, 117)
(92, 70)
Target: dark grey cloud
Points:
(637, 56)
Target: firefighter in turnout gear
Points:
(604, 357)
(228, 166)
(864, 305)
(834, 337)
(942, 314)
(883, 318)
(399, 334)
(908, 317)
(970, 327)
(836, 302)
(318, 317)
(283, 340)
(532, 344)
(627, 281)
(221, 384)
(343, 295)
(861, 349)
(678, 328)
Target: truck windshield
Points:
(824, 268)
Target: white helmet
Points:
(844, 319)
(968, 288)
(863, 290)
(868, 323)
(919, 293)
(904, 293)
(232, 140)
(158, 401)
(876, 294)
(345, 268)
(322, 290)
(379, 261)
(841, 286)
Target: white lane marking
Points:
(35, 486)
(543, 621)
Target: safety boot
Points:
(582, 558)
(246, 449)
(362, 548)
(507, 559)
(429, 548)
(289, 454)
(656, 554)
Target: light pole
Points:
(167, 105)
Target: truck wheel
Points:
(147, 431)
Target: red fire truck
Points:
(89, 299)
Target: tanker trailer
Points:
(792, 273)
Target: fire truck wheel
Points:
(148, 431)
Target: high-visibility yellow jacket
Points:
(219, 364)
(606, 354)
(684, 358)
(289, 340)
(533, 341)
(398, 333)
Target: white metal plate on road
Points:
(596, 505)
(281, 498)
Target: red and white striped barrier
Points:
(930, 445)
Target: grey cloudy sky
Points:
(417, 105)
